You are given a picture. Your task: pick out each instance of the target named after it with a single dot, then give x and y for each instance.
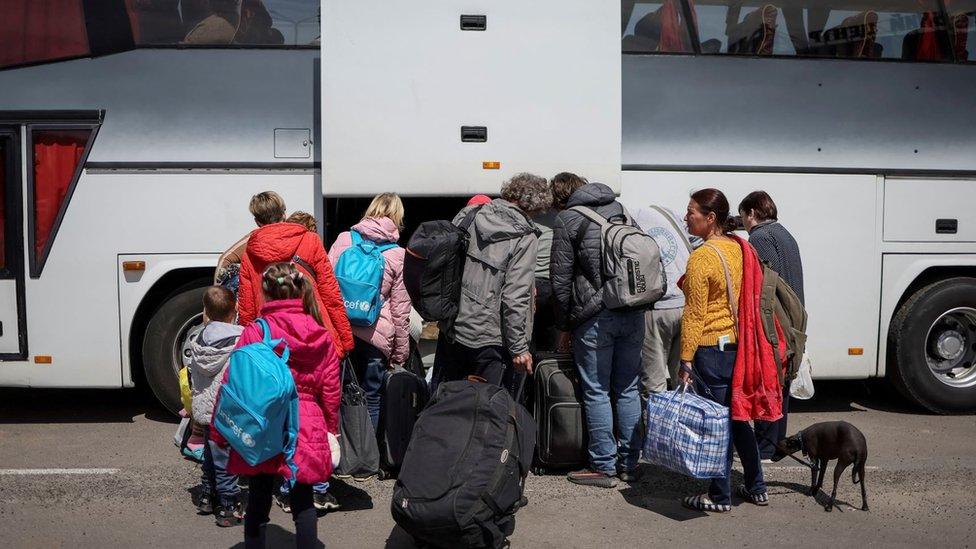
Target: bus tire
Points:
(932, 347)
(162, 343)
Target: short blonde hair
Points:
(386, 205)
(267, 207)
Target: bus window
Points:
(41, 30)
(56, 157)
(265, 23)
(654, 27)
(962, 28)
(3, 208)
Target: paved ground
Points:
(921, 474)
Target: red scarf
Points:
(756, 389)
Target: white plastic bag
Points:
(802, 387)
(180, 434)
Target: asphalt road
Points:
(128, 487)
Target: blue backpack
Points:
(257, 407)
(359, 271)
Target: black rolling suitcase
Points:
(558, 410)
(463, 477)
(404, 397)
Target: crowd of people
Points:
(533, 280)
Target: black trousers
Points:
(768, 433)
(259, 507)
(454, 362)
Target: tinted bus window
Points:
(962, 28)
(655, 27)
(41, 30)
(266, 23)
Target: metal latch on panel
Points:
(292, 143)
(474, 22)
(946, 226)
(474, 134)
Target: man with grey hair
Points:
(493, 327)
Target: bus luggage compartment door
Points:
(539, 81)
(929, 210)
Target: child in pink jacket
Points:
(292, 313)
(386, 342)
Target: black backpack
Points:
(432, 266)
(463, 475)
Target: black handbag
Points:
(360, 455)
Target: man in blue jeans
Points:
(606, 343)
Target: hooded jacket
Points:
(575, 266)
(209, 354)
(391, 333)
(498, 281)
(279, 242)
(315, 366)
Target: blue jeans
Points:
(608, 354)
(215, 477)
(370, 364)
(713, 377)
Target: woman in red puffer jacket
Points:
(291, 242)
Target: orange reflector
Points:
(492, 165)
(855, 351)
(42, 359)
(133, 265)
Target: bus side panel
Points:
(74, 306)
(835, 220)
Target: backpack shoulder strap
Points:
(733, 304)
(591, 214)
(667, 215)
(273, 343)
(469, 218)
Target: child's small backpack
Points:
(257, 406)
(359, 271)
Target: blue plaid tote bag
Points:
(687, 433)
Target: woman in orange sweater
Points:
(709, 335)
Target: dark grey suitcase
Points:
(558, 410)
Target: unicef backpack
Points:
(257, 407)
(359, 271)
(631, 262)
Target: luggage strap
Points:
(733, 304)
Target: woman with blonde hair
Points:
(386, 341)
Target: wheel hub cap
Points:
(950, 345)
(950, 349)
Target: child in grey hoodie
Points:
(210, 354)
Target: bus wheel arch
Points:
(158, 323)
(932, 341)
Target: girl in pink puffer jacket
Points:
(292, 314)
(387, 342)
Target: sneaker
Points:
(589, 477)
(767, 461)
(325, 502)
(204, 502)
(283, 501)
(364, 478)
(196, 454)
(761, 500)
(629, 476)
(228, 515)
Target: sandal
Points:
(704, 503)
(756, 499)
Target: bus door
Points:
(13, 323)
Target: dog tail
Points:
(857, 472)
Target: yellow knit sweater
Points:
(707, 315)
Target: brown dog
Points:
(826, 441)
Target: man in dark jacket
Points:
(493, 326)
(776, 246)
(606, 343)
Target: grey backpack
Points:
(631, 262)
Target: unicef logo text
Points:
(358, 305)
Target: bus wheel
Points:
(933, 343)
(163, 344)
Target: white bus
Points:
(133, 133)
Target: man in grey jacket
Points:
(493, 326)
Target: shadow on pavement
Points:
(660, 491)
(19, 405)
(351, 498)
(399, 539)
(854, 396)
(277, 537)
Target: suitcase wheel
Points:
(539, 471)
